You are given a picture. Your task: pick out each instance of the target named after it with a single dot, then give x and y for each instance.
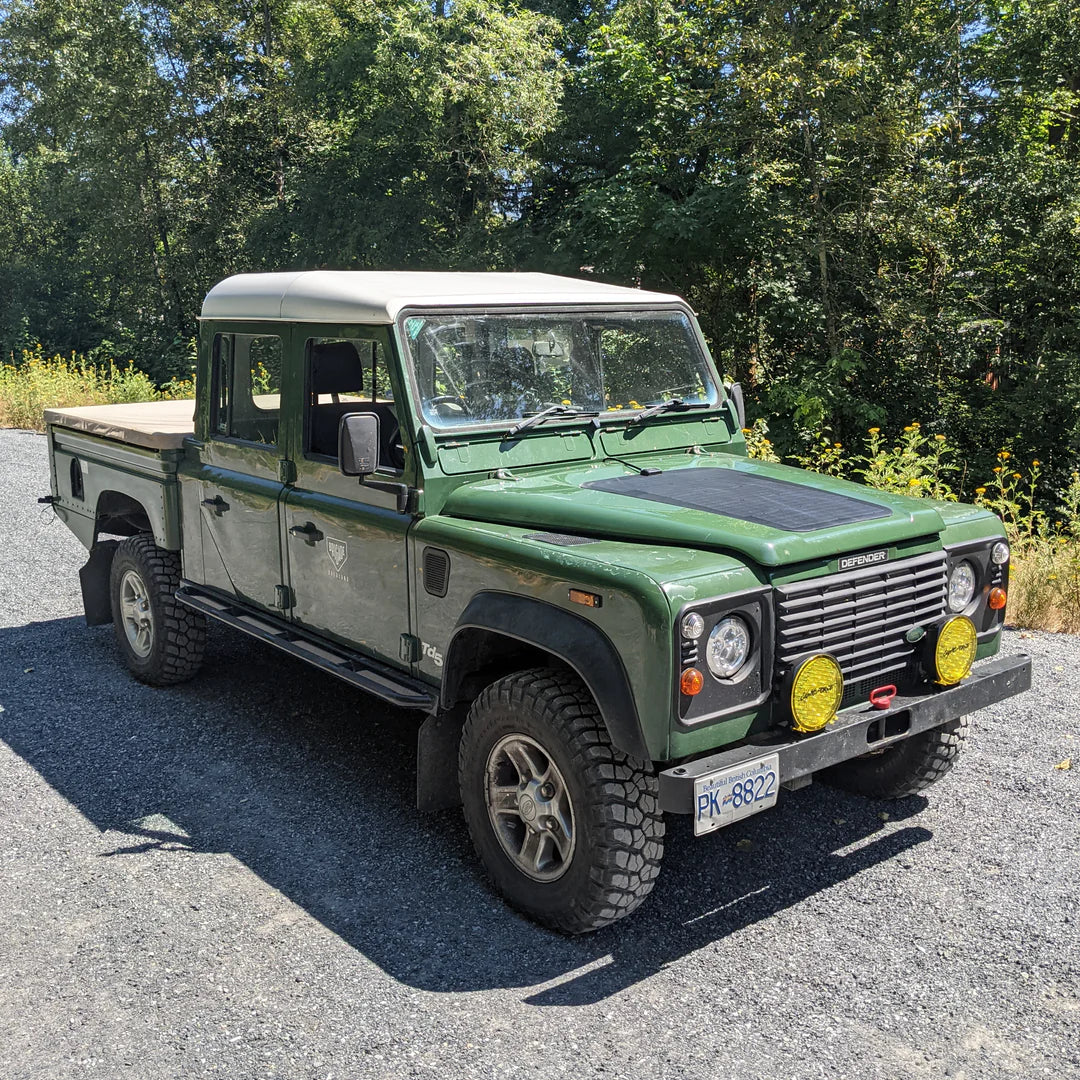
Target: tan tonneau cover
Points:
(157, 425)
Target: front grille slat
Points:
(834, 630)
(862, 617)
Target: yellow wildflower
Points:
(980, 491)
(1036, 462)
(1016, 476)
(874, 430)
(566, 401)
(915, 424)
(748, 431)
(997, 468)
(1004, 455)
(836, 446)
(914, 482)
(910, 427)
(940, 438)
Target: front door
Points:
(240, 490)
(344, 540)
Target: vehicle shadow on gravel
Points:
(310, 784)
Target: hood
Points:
(772, 514)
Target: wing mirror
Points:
(358, 444)
(735, 393)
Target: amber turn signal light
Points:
(997, 599)
(691, 682)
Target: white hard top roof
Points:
(362, 296)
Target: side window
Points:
(247, 387)
(221, 380)
(343, 375)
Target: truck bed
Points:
(155, 425)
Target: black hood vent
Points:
(763, 500)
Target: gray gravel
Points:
(228, 879)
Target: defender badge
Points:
(338, 552)
(867, 558)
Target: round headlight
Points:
(999, 553)
(693, 626)
(728, 647)
(961, 586)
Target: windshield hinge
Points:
(286, 471)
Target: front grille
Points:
(861, 617)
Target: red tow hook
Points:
(881, 698)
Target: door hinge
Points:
(409, 650)
(287, 471)
(283, 598)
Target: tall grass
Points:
(38, 382)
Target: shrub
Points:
(38, 382)
(1044, 584)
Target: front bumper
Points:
(855, 733)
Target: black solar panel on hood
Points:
(764, 500)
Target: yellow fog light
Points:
(954, 652)
(816, 691)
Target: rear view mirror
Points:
(736, 395)
(358, 444)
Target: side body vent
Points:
(436, 571)
(561, 539)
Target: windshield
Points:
(484, 368)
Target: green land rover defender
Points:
(522, 505)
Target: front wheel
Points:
(162, 641)
(567, 827)
(905, 767)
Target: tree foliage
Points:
(874, 206)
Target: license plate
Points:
(737, 792)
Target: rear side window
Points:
(247, 387)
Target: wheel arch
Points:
(119, 514)
(501, 632)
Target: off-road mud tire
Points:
(618, 827)
(904, 768)
(179, 634)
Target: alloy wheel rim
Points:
(530, 808)
(135, 612)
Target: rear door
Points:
(240, 479)
(345, 549)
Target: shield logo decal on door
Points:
(338, 552)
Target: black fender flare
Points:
(578, 643)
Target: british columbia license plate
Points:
(737, 792)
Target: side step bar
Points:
(361, 671)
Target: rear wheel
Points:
(567, 827)
(905, 767)
(162, 641)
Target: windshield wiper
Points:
(665, 406)
(546, 414)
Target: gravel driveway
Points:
(228, 879)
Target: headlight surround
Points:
(728, 647)
(961, 585)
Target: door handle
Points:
(307, 531)
(217, 504)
